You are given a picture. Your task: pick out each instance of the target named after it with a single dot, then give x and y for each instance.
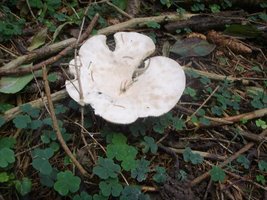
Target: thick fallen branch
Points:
(9, 69)
(204, 22)
(38, 103)
(141, 22)
(53, 59)
(38, 54)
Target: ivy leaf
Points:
(243, 161)
(7, 156)
(140, 172)
(110, 187)
(21, 121)
(67, 182)
(40, 160)
(149, 144)
(217, 174)
(161, 175)
(194, 158)
(24, 186)
(106, 168)
(82, 196)
(133, 193)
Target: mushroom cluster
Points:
(115, 85)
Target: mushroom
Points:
(115, 85)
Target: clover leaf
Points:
(24, 186)
(7, 156)
(106, 168)
(149, 144)
(40, 160)
(67, 182)
(4, 177)
(48, 180)
(122, 152)
(243, 161)
(21, 121)
(110, 186)
(8, 142)
(161, 175)
(82, 196)
(217, 174)
(262, 165)
(133, 193)
(33, 112)
(194, 158)
(140, 172)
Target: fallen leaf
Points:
(38, 39)
(192, 47)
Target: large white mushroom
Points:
(111, 83)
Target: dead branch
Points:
(38, 103)
(141, 22)
(204, 22)
(37, 54)
(230, 159)
(8, 69)
(53, 59)
(56, 126)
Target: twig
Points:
(119, 10)
(53, 59)
(56, 126)
(29, 6)
(36, 54)
(206, 100)
(230, 159)
(203, 154)
(103, 148)
(213, 76)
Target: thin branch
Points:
(56, 126)
(119, 10)
(53, 59)
(230, 159)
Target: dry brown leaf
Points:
(233, 44)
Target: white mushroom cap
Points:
(108, 84)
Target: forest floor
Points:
(211, 145)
